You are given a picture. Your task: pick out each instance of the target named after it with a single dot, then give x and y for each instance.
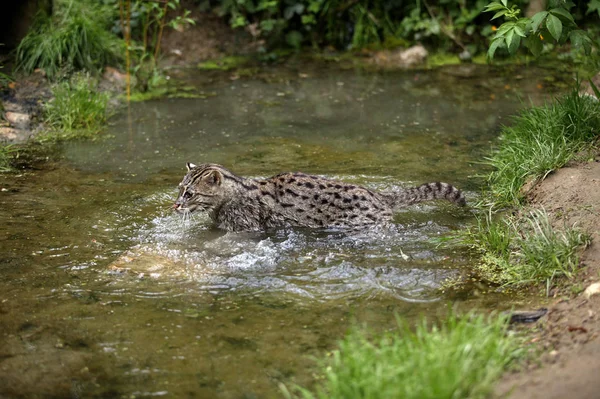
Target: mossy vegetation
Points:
(169, 91)
(225, 63)
(458, 358)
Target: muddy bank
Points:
(569, 336)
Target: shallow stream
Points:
(104, 292)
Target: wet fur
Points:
(294, 199)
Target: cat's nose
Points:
(176, 205)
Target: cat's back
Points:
(319, 201)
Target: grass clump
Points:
(77, 36)
(459, 358)
(78, 109)
(541, 140)
(524, 250)
(6, 155)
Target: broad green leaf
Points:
(562, 14)
(494, 7)
(512, 41)
(534, 44)
(308, 19)
(239, 21)
(537, 19)
(267, 25)
(554, 26)
(505, 2)
(593, 5)
(314, 7)
(580, 39)
(519, 31)
(289, 12)
(493, 47)
(504, 28)
(498, 14)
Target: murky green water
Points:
(106, 293)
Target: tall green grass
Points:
(78, 109)
(541, 140)
(460, 358)
(78, 36)
(525, 249)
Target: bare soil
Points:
(569, 336)
(209, 38)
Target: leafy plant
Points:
(360, 23)
(557, 24)
(145, 21)
(460, 357)
(76, 37)
(149, 20)
(78, 109)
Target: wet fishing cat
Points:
(294, 199)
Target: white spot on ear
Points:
(190, 166)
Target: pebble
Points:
(592, 289)
(18, 119)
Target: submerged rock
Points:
(527, 316)
(404, 58)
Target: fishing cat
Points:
(236, 203)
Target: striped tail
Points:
(427, 192)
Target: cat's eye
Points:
(187, 195)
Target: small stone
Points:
(115, 76)
(465, 56)
(413, 56)
(18, 120)
(9, 134)
(592, 289)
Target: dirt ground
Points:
(209, 38)
(569, 336)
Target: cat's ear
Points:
(190, 166)
(214, 178)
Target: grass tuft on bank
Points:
(7, 153)
(461, 357)
(524, 249)
(541, 140)
(78, 109)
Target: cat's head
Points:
(204, 188)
